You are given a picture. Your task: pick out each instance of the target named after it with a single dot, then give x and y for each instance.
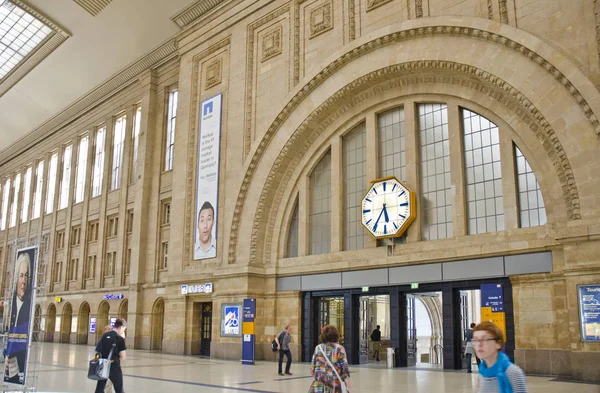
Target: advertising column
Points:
(21, 317)
(248, 331)
(492, 305)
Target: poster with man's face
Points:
(207, 186)
(21, 316)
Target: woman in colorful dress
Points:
(326, 380)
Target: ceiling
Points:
(99, 47)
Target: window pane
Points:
(26, 194)
(483, 172)
(98, 163)
(320, 200)
(354, 162)
(81, 169)
(65, 182)
(39, 186)
(531, 204)
(436, 206)
(171, 119)
(52, 173)
(118, 144)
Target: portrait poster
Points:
(589, 312)
(21, 316)
(207, 183)
(231, 325)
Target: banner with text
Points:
(492, 305)
(21, 317)
(207, 186)
(589, 312)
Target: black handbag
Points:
(274, 345)
(99, 368)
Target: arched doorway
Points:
(83, 324)
(65, 328)
(123, 309)
(102, 319)
(36, 323)
(158, 320)
(50, 323)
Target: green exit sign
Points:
(414, 285)
(365, 289)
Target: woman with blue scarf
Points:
(497, 373)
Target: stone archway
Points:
(123, 309)
(157, 325)
(50, 323)
(65, 327)
(102, 318)
(83, 323)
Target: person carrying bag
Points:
(111, 349)
(99, 369)
(329, 365)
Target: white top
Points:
(515, 376)
(211, 252)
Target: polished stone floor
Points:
(64, 368)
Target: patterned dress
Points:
(325, 379)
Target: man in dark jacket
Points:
(113, 339)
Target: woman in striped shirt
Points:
(497, 373)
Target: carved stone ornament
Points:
(271, 44)
(213, 73)
(372, 4)
(321, 20)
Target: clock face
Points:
(388, 208)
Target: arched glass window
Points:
(483, 174)
(354, 163)
(292, 243)
(320, 207)
(531, 204)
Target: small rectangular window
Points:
(130, 221)
(91, 268)
(60, 240)
(166, 213)
(75, 236)
(165, 255)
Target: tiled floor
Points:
(64, 369)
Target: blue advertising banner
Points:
(589, 312)
(492, 296)
(21, 316)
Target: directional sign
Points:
(492, 296)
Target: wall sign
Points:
(230, 320)
(92, 324)
(74, 320)
(57, 323)
(198, 288)
(589, 312)
(58, 299)
(111, 296)
(113, 320)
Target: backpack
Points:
(274, 343)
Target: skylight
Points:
(20, 34)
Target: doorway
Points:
(206, 329)
(158, 321)
(102, 319)
(470, 312)
(83, 325)
(374, 311)
(331, 312)
(424, 329)
(65, 329)
(50, 323)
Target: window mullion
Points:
(412, 163)
(457, 169)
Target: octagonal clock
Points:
(388, 208)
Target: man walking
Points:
(113, 339)
(376, 338)
(283, 346)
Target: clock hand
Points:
(377, 221)
(387, 218)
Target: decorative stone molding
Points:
(190, 175)
(351, 20)
(321, 20)
(418, 9)
(117, 83)
(195, 11)
(250, 72)
(372, 4)
(93, 7)
(503, 11)
(490, 5)
(271, 44)
(568, 185)
(213, 73)
(371, 85)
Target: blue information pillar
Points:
(248, 330)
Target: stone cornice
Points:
(409, 34)
(195, 11)
(104, 91)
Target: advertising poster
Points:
(589, 312)
(21, 317)
(207, 186)
(230, 320)
(92, 324)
